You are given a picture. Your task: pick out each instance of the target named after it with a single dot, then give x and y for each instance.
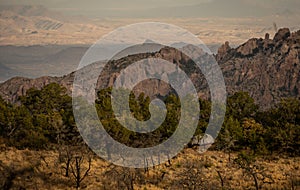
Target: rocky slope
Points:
(269, 69)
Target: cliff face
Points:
(12, 89)
(269, 69)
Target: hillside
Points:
(44, 170)
(269, 69)
(256, 148)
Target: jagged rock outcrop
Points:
(223, 51)
(282, 34)
(249, 48)
(269, 69)
(12, 89)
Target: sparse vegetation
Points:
(262, 146)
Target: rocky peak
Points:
(267, 36)
(266, 45)
(223, 50)
(269, 69)
(282, 34)
(249, 48)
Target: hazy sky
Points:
(168, 8)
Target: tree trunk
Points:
(221, 179)
(256, 182)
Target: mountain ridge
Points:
(268, 69)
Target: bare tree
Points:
(117, 177)
(191, 177)
(247, 162)
(221, 179)
(77, 168)
(65, 157)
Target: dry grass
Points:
(42, 170)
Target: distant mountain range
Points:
(36, 61)
(27, 25)
(50, 60)
(269, 69)
(31, 25)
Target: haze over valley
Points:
(37, 41)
